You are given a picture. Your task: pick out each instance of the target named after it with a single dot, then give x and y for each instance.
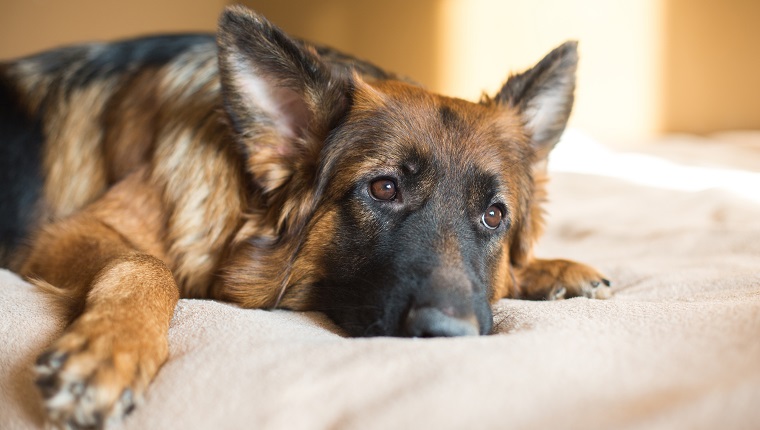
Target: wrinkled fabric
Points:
(677, 347)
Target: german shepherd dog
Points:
(268, 172)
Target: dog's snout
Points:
(434, 322)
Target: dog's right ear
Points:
(281, 98)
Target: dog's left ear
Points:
(280, 97)
(543, 95)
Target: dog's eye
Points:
(383, 189)
(492, 217)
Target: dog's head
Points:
(393, 210)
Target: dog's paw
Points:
(563, 279)
(594, 289)
(87, 380)
(597, 289)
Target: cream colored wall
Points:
(28, 26)
(647, 66)
(463, 47)
(400, 35)
(618, 82)
(711, 70)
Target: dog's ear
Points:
(281, 98)
(543, 95)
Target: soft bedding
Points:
(677, 346)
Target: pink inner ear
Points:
(546, 111)
(284, 106)
(293, 117)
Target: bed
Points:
(674, 223)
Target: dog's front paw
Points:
(593, 289)
(562, 279)
(91, 376)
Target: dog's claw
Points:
(82, 387)
(558, 294)
(598, 290)
(51, 360)
(47, 385)
(126, 403)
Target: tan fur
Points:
(75, 170)
(128, 294)
(504, 285)
(129, 121)
(557, 279)
(154, 190)
(116, 345)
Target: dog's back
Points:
(70, 115)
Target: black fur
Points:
(20, 164)
(351, 63)
(374, 280)
(96, 62)
(449, 118)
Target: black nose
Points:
(432, 322)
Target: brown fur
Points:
(118, 340)
(173, 182)
(129, 119)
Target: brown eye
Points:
(492, 217)
(383, 189)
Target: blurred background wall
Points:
(647, 66)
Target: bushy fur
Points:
(245, 169)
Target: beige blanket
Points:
(678, 346)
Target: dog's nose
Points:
(432, 322)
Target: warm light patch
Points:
(579, 153)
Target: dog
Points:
(262, 170)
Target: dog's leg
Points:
(561, 279)
(124, 299)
